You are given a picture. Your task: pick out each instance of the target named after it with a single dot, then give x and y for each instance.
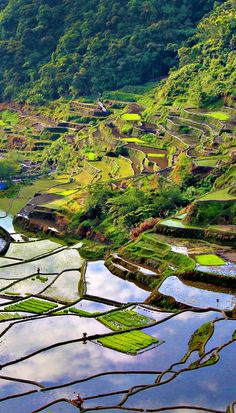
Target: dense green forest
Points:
(207, 62)
(50, 48)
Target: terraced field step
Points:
(150, 248)
(129, 343)
(32, 305)
(189, 134)
(220, 195)
(9, 316)
(123, 320)
(201, 127)
(213, 119)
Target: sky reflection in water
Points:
(195, 296)
(211, 386)
(100, 282)
(77, 360)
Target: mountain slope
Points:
(50, 48)
(207, 66)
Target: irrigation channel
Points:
(75, 337)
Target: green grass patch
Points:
(58, 204)
(92, 251)
(130, 343)
(127, 129)
(131, 117)
(91, 156)
(157, 155)
(123, 320)
(68, 192)
(224, 228)
(139, 89)
(218, 115)
(181, 216)
(41, 278)
(76, 311)
(199, 339)
(207, 162)
(105, 166)
(121, 96)
(221, 195)
(125, 167)
(149, 248)
(153, 239)
(26, 193)
(9, 316)
(84, 178)
(10, 117)
(79, 312)
(32, 305)
(209, 259)
(132, 140)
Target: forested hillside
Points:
(50, 48)
(207, 63)
(117, 205)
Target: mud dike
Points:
(5, 240)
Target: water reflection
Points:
(196, 297)
(228, 269)
(29, 250)
(7, 261)
(6, 221)
(47, 331)
(65, 288)
(29, 286)
(223, 331)
(53, 264)
(2, 243)
(75, 361)
(148, 312)
(92, 306)
(173, 223)
(210, 387)
(101, 282)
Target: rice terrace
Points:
(117, 206)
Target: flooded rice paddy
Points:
(197, 297)
(229, 269)
(54, 312)
(98, 280)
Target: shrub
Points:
(144, 226)
(127, 129)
